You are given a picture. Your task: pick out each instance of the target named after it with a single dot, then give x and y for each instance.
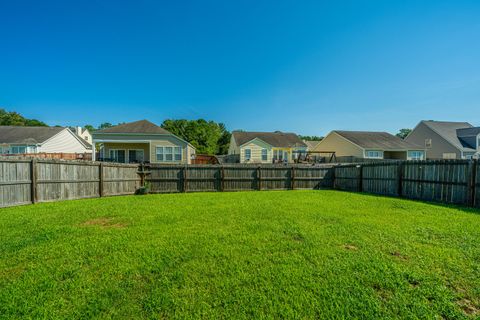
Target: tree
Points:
(403, 133)
(311, 138)
(89, 127)
(15, 119)
(208, 137)
(105, 125)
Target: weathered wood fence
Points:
(31, 181)
(38, 180)
(447, 181)
(177, 178)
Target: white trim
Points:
(256, 138)
(121, 141)
(144, 134)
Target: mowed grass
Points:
(292, 254)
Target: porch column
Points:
(94, 152)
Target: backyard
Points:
(275, 254)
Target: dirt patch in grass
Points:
(104, 223)
(350, 247)
(399, 255)
(468, 307)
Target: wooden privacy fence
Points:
(448, 181)
(30, 181)
(177, 178)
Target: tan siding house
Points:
(447, 140)
(369, 145)
(142, 141)
(21, 140)
(265, 147)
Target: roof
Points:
(377, 140)
(448, 131)
(142, 126)
(27, 135)
(275, 139)
(311, 144)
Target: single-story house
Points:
(21, 140)
(369, 145)
(446, 139)
(265, 147)
(311, 145)
(142, 141)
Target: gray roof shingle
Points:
(142, 126)
(275, 139)
(448, 130)
(27, 135)
(377, 140)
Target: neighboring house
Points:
(369, 145)
(83, 133)
(141, 141)
(21, 140)
(447, 140)
(265, 147)
(311, 145)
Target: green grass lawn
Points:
(291, 254)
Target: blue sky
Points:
(302, 66)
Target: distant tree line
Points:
(311, 138)
(15, 119)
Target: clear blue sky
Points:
(302, 66)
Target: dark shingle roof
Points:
(468, 137)
(142, 126)
(377, 140)
(448, 130)
(27, 135)
(275, 139)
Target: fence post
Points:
(292, 175)
(360, 178)
(472, 182)
(400, 179)
(259, 178)
(33, 178)
(185, 179)
(222, 178)
(100, 179)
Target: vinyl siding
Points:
(233, 148)
(439, 147)
(153, 140)
(63, 142)
(341, 146)
(256, 147)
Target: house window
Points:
(1, 150)
(117, 155)
(478, 142)
(451, 155)
(178, 153)
(374, 154)
(428, 143)
(159, 153)
(136, 155)
(415, 155)
(264, 155)
(18, 149)
(168, 153)
(248, 154)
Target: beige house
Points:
(446, 139)
(369, 145)
(31, 140)
(142, 141)
(265, 147)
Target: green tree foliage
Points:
(311, 138)
(403, 133)
(89, 127)
(105, 125)
(15, 119)
(208, 137)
